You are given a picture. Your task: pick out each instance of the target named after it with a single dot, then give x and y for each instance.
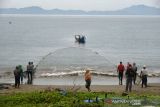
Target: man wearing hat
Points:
(143, 75)
(88, 79)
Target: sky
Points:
(86, 5)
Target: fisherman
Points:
(17, 77)
(120, 70)
(88, 79)
(82, 39)
(129, 76)
(128, 65)
(30, 70)
(134, 67)
(143, 75)
(77, 38)
(21, 73)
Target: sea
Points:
(49, 42)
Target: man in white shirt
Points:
(143, 75)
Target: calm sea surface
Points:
(26, 38)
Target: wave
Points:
(73, 73)
(78, 73)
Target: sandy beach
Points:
(153, 89)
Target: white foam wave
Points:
(76, 73)
(61, 73)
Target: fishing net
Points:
(73, 61)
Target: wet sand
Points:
(153, 89)
(78, 80)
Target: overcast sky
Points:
(78, 4)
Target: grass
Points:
(70, 99)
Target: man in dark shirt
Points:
(17, 77)
(129, 76)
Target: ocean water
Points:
(49, 42)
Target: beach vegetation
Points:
(72, 99)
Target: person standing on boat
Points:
(120, 70)
(88, 79)
(83, 39)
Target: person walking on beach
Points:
(143, 75)
(88, 79)
(21, 73)
(134, 67)
(17, 77)
(30, 68)
(120, 70)
(129, 76)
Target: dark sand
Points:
(153, 89)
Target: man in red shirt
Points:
(120, 70)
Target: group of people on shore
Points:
(130, 74)
(19, 74)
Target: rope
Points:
(74, 80)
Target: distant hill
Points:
(133, 10)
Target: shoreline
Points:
(78, 80)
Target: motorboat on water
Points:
(81, 39)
